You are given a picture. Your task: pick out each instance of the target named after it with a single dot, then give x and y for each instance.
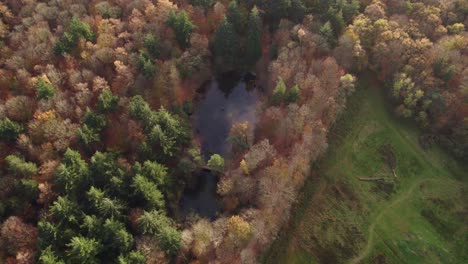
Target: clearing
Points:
(416, 215)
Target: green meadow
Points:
(360, 206)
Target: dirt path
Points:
(371, 237)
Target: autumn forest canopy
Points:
(98, 111)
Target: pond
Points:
(222, 102)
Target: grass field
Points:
(416, 215)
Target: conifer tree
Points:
(254, 37)
(227, 43)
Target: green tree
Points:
(350, 9)
(116, 237)
(84, 250)
(9, 130)
(66, 210)
(279, 8)
(159, 225)
(206, 4)
(279, 93)
(48, 256)
(44, 89)
(235, 17)
(19, 167)
(152, 45)
(149, 191)
(226, 43)
(216, 163)
(134, 257)
(182, 26)
(294, 95)
(92, 127)
(146, 65)
(72, 176)
(69, 40)
(297, 11)
(327, 32)
(107, 101)
(254, 37)
(154, 171)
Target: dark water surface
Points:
(223, 101)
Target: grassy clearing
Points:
(416, 217)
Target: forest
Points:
(117, 116)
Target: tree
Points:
(149, 191)
(146, 65)
(279, 8)
(216, 163)
(456, 28)
(279, 93)
(240, 137)
(92, 127)
(69, 40)
(244, 167)
(254, 37)
(72, 176)
(297, 10)
(226, 43)
(154, 171)
(134, 257)
(350, 9)
(239, 231)
(206, 4)
(44, 89)
(48, 256)
(17, 235)
(159, 225)
(182, 27)
(9, 130)
(84, 250)
(294, 95)
(19, 167)
(152, 45)
(107, 101)
(235, 16)
(327, 32)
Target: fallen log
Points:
(371, 179)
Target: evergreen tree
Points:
(149, 191)
(69, 41)
(279, 93)
(294, 95)
(48, 257)
(279, 8)
(146, 65)
(254, 37)
(152, 45)
(226, 43)
(235, 16)
(9, 130)
(182, 26)
(327, 32)
(134, 257)
(72, 176)
(297, 11)
(19, 167)
(44, 89)
(107, 101)
(84, 250)
(157, 224)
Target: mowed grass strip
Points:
(419, 216)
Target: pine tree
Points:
(227, 43)
(9, 130)
(182, 26)
(279, 93)
(235, 16)
(254, 37)
(84, 250)
(107, 101)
